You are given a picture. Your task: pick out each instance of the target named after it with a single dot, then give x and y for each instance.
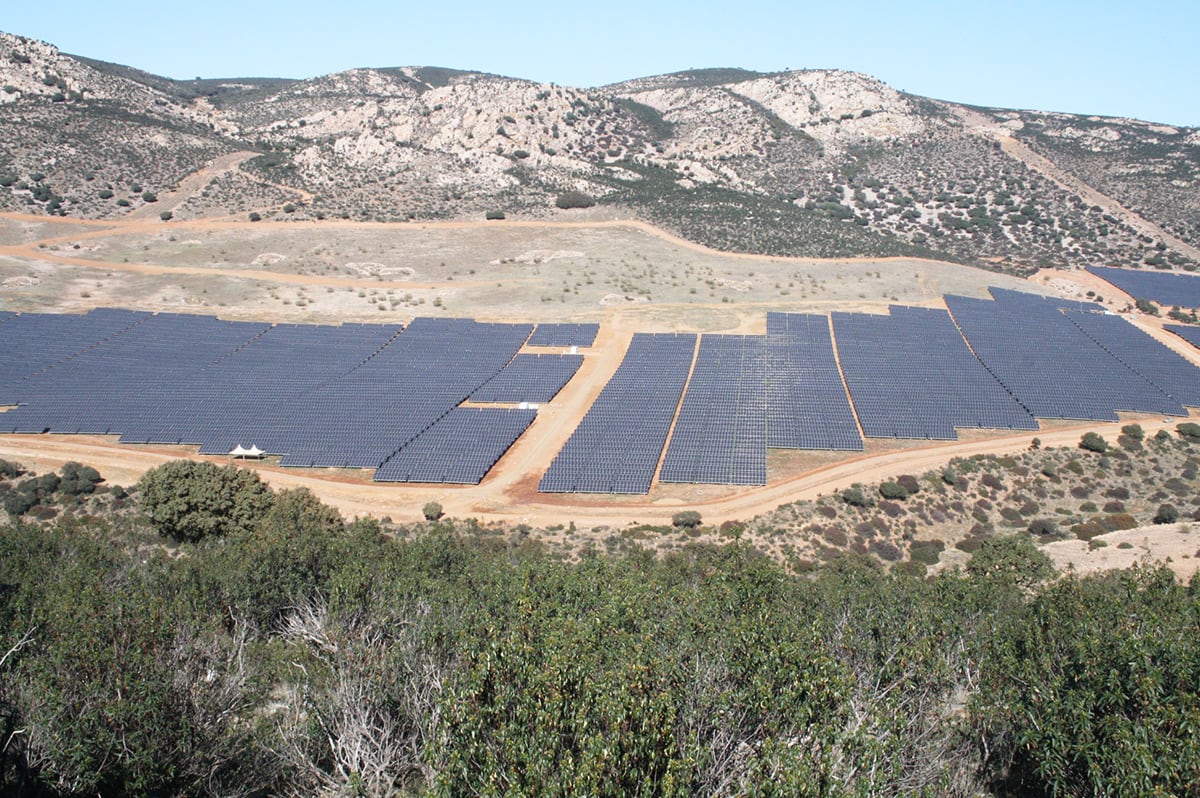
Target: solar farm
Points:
(442, 400)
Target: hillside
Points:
(820, 163)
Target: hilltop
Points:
(817, 163)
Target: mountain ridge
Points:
(819, 163)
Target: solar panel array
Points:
(362, 418)
(530, 378)
(617, 445)
(460, 448)
(1168, 371)
(911, 375)
(807, 405)
(1186, 332)
(135, 376)
(1048, 363)
(347, 396)
(1165, 288)
(34, 342)
(721, 433)
(564, 335)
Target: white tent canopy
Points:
(242, 451)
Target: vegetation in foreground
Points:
(282, 651)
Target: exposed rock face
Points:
(813, 162)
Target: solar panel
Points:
(807, 405)
(1165, 288)
(618, 443)
(1052, 368)
(720, 436)
(911, 375)
(1186, 332)
(529, 378)
(460, 448)
(1171, 373)
(564, 335)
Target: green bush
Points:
(1092, 442)
(190, 501)
(432, 511)
(149, 196)
(893, 490)
(494, 216)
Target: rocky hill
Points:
(816, 162)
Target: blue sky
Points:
(1111, 58)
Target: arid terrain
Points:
(694, 202)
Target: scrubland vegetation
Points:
(204, 634)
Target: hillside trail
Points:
(1015, 148)
(192, 185)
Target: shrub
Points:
(855, 497)
(1134, 431)
(166, 216)
(289, 207)
(909, 483)
(255, 216)
(926, 551)
(1092, 442)
(1146, 306)
(494, 216)
(686, 519)
(149, 196)
(1167, 514)
(1043, 527)
(893, 490)
(1119, 521)
(105, 193)
(9, 469)
(78, 480)
(432, 511)
(574, 199)
(886, 550)
(1189, 430)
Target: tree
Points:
(149, 196)
(432, 511)
(166, 216)
(255, 216)
(1092, 442)
(189, 501)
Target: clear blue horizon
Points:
(1099, 58)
